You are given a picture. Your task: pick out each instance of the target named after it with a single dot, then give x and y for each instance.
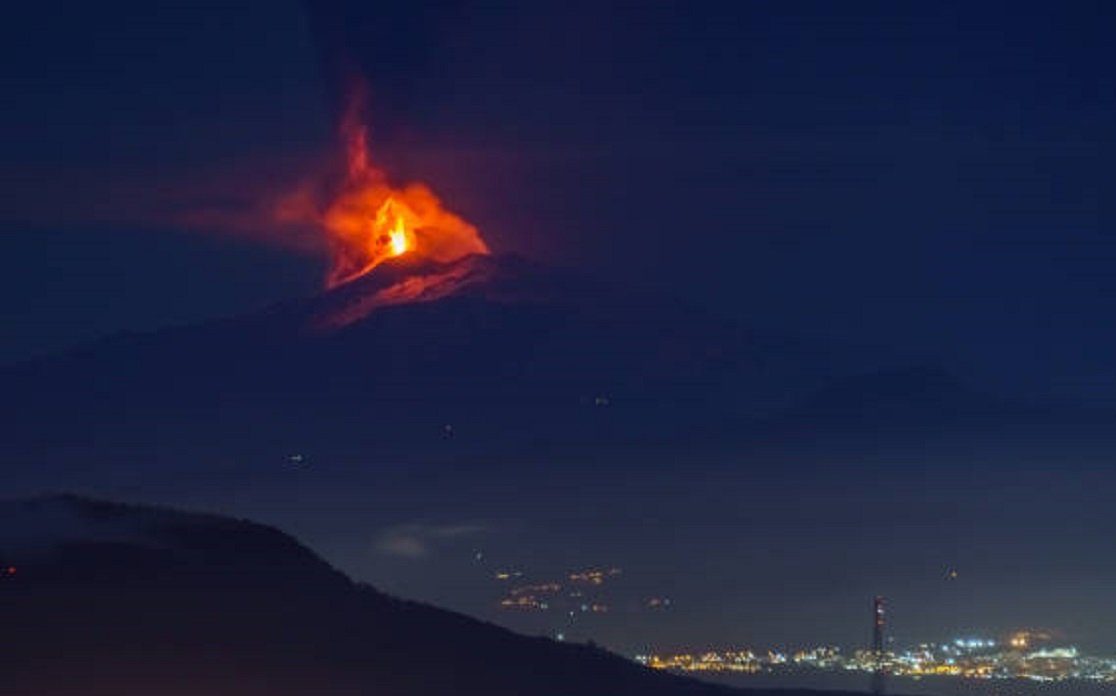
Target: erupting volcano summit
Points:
(367, 220)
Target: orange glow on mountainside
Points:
(368, 220)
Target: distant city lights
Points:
(1015, 657)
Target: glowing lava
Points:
(397, 238)
(368, 220)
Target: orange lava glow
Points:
(368, 220)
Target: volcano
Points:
(511, 354)
(482, 360)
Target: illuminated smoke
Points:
(368, 220)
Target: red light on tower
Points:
(879, 625)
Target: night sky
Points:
(893, 184)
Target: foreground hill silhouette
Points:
(103, 598)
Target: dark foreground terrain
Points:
(100, 598)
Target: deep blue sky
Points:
(930, 180)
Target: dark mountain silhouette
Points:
(106, 599)
(513, 356)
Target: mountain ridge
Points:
(121, 617)
(520, 359)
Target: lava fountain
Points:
(367, 220)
